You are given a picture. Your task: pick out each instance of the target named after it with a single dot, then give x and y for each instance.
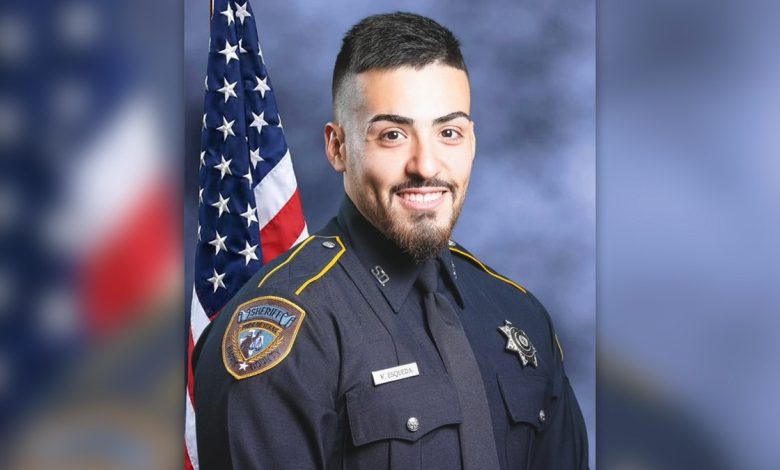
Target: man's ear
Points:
(335, 146)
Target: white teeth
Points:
(422, 198)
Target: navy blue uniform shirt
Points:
(293, 373)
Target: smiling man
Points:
(385, 343)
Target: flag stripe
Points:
(281, 232)
(303, 236)
(189, 433)
(131, 264)
(190, 436)
(199, 320)
(187, 461)
(275, 190)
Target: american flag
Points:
(249, 208)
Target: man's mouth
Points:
(422, 198)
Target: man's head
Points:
(402, 134)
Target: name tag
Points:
(392, 374)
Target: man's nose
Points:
(424, 161)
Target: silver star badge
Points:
(517, 341)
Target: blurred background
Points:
(530, 211)
(688, 229)
(91, 293)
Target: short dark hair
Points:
(393, 40)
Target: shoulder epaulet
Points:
(460, 251)
(309, 261)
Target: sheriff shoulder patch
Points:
(260, 335)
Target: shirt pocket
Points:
(527, 399)
(404, 424)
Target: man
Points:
(387, 345)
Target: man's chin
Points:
(422, 238)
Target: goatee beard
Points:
(422, 242)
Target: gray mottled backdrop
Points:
(530, 213)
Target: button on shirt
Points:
(320, 407)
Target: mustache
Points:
(429, 183)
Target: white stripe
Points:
(303, 236)
(190, 438)
(198, 318)
(119, 165)
(273, 191)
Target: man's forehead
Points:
(428, 92)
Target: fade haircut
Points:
(392, 40)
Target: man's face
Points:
(409, 149)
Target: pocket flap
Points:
(384, 411)
(526, 397)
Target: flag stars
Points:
(229, 52)
(199, 232)
(216, 280)
(202, 159)
(241, 12)
(227, 128)
(224, 167)
(204, 121)
(200, 195)
(249, 215)
(206, 83)
(228, 89)
(218, 243)
(258, 121)
(254, 156)
(241, 46)
(262, 86)
(221, 205)
(248, 253)
(229, 15)
(248, 177)
(259, 50)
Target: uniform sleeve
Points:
(288, 416)
(564, 444)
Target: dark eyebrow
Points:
(402, 120)
(392, 118)
(450, 117)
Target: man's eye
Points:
(451, 134)
(392, 135)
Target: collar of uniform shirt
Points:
(374, 249)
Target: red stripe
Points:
(280, 233)
(187, 462)
(129, 265)
(190, 380)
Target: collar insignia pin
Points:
(517, 341)
(380, 275)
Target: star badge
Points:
(517, 341)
